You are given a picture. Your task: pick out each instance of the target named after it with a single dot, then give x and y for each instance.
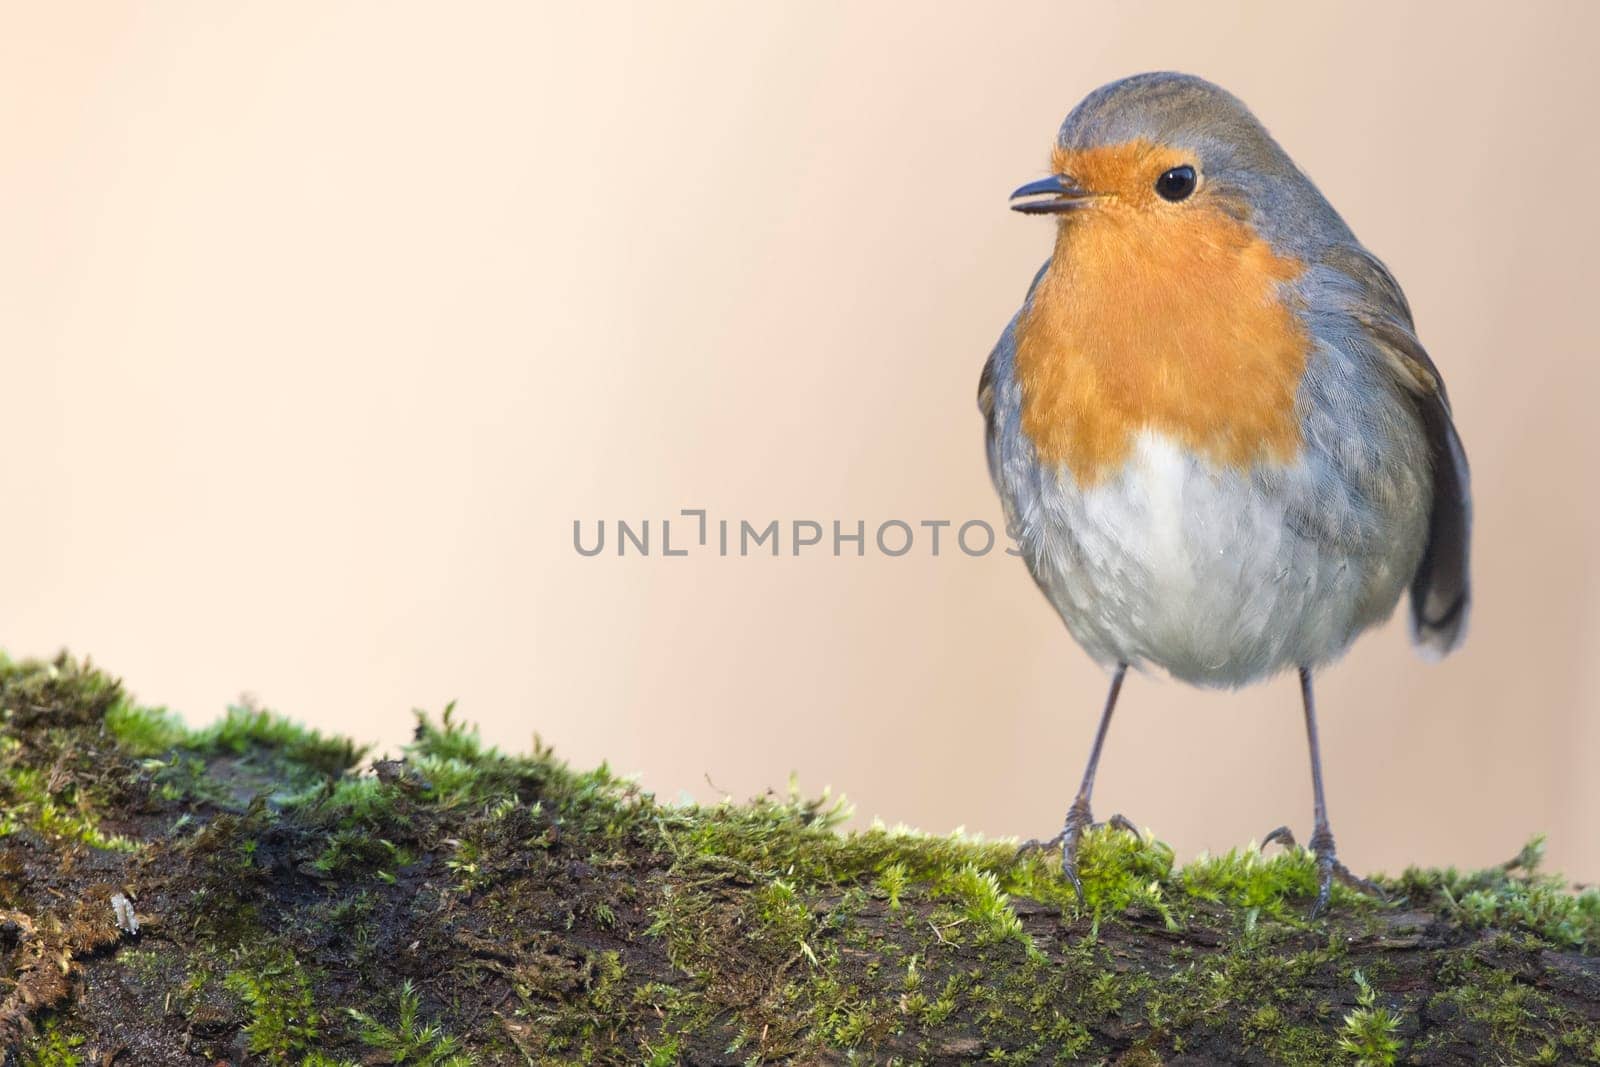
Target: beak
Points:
(1062, 191)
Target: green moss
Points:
(409, 1041)
(53, 1046)
(892, 881)
(1119, 870)
(987, 907)
(355, 852)
(61, 692)
(245, 731)
(572, 917)
(1246, 879)
(1276, 1034)
(1539, 903)
(55, 809)
(1368, 1032)
(783, 916)
(1509, 1009)
(283, 1018)
(300, 754)
(454, 767)
(348, 803)
(663, 1053)
(1254, 992)
(145, 731)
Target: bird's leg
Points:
(1079, 817)
(1328, 865)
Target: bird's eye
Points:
(1176, 184)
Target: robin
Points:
(1220, 446)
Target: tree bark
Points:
(253, 892)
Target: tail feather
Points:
(1441, 592)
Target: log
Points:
(256, 892)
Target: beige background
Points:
(322, 322)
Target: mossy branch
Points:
(455, 905)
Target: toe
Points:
(1282, 835)
(1069, 868)
(1035, 844)
(1349, 878)
(1122, 822)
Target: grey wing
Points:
(989, 384)
(1441, 591)
(997, 400)
(986, 401)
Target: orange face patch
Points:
(1166, 316)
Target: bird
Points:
(1220, 447)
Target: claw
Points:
(1122, 822)
(1283, 835)
(1069, 867)
(1328, 867)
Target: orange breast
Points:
(1166, 318)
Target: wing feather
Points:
(1441, 591)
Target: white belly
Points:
(1201, 571)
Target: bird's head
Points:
(1169, 151)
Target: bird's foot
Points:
(1079, 820)
(1328, 866)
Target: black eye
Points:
(1176, 184)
